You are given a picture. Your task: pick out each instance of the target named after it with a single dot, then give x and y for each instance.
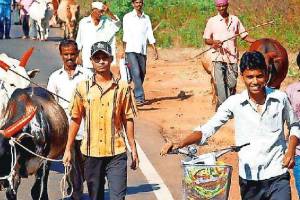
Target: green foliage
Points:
(182, 22)
(293, 72)
(120, 7)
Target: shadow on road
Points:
(181, 96)
(131, 190)
(55, 39)
(145, 109)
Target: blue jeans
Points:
(5, 20)
(32, 28)
(137, 68)
(297, 174)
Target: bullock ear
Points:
(20, 123)
(3, 65)
(32, 73)
(24, 59)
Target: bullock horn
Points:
(3, 65)
(24, 59)
(19, 124)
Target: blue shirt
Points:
(264, 130)
(6, 2)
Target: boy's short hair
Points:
(298, 59)
(67, 42)
(252, 60)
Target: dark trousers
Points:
(25, 24)
(276, 188)
(77, 178)
(137, 69)
(114, 168)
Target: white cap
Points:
(98, 5)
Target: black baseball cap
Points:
(101, 46)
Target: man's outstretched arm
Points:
(194, 137)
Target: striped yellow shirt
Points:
(104, 111)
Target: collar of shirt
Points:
(134, 13)
(219, 17)
(77, 71)
(101, 22)
(269, 95)
(114, 83)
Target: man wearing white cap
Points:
(94, 28)
(225, 58)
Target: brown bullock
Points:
(276, 59)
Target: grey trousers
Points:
(225, 79)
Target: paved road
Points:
(158, 178)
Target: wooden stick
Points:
(257, 26)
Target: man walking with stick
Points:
(225, 58)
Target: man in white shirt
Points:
(62, 83)
(260, 114)
(137, 30)
(95, 28)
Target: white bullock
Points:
(9, 80)
(41, 11)
(68, 13)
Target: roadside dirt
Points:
(179, 95)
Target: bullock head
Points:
(13, 75)
(73, 10)
(10, 68)
(276, 58)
